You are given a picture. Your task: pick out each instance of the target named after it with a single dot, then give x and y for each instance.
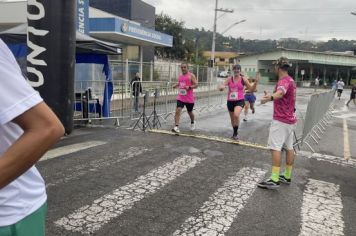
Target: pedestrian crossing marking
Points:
(322, 209)
(68, 149)
(217, 214)
(75, 172)
(212, 138)
(328, 158)
(91, 218)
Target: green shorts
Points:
(33, 224)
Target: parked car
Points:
(223, 74)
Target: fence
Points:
(92, 101)
(317, 117)
(157, 71)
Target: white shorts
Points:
(281, 136)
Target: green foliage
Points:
(188, 44)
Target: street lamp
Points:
(236, 23)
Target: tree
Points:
(168, 25)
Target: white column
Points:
(126, 75)
(141, 62)
(151, 71)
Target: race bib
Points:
(233, 96)
(182, 92)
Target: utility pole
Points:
(212, 56)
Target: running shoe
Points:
(284, 180)
(235, 137)
(269, 184)
(175, 129)
(192, 126)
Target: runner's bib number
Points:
(233, 96)
(182, 92)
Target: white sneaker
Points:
(192, 126)
(175, 129)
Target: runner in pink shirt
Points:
(236, 97)
(283, 125)
(185, 85)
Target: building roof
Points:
(325, 58)
(221, 54)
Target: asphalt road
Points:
(114, 181)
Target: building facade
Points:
(306, 65)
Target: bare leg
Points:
(191, 115)
(177, 115)
(247, 106)
(236, 116)
(252, 107)
(276, 158)
(290, 157)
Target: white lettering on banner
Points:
(145, 33)
(40, 79)
(41, 10)
(81, 20)
(36, 50)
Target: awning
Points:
(84, 43)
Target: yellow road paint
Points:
(212, 138)
(347, 152)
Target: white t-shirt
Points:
(27, 193)
(340, 84)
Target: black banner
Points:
(51, 55)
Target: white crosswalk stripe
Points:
(218, 213)
(68, 149)
(322, 209)
(77, 171)
(91, 218)
(328, 158)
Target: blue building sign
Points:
(83, 16)
(126, 30)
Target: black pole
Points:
(51, 55)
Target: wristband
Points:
(272, 98)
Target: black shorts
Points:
(339, 90)
(232, 104)
(189, 106)
(352, 95)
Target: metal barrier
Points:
(317, 117)
(91, 100)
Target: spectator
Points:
(136, 89)
(283, 125)
(28, 128)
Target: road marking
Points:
(77, 171)
(347, 153)
(217, 214)
(68, 149)
(91, 218)
(328, 158)
(322, 209)
(212, 138)
(345, 116)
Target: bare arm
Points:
(252, 87)
(270, 97)
(41, 129)
(194, 82)
(222, 86)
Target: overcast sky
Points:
(268, 19)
